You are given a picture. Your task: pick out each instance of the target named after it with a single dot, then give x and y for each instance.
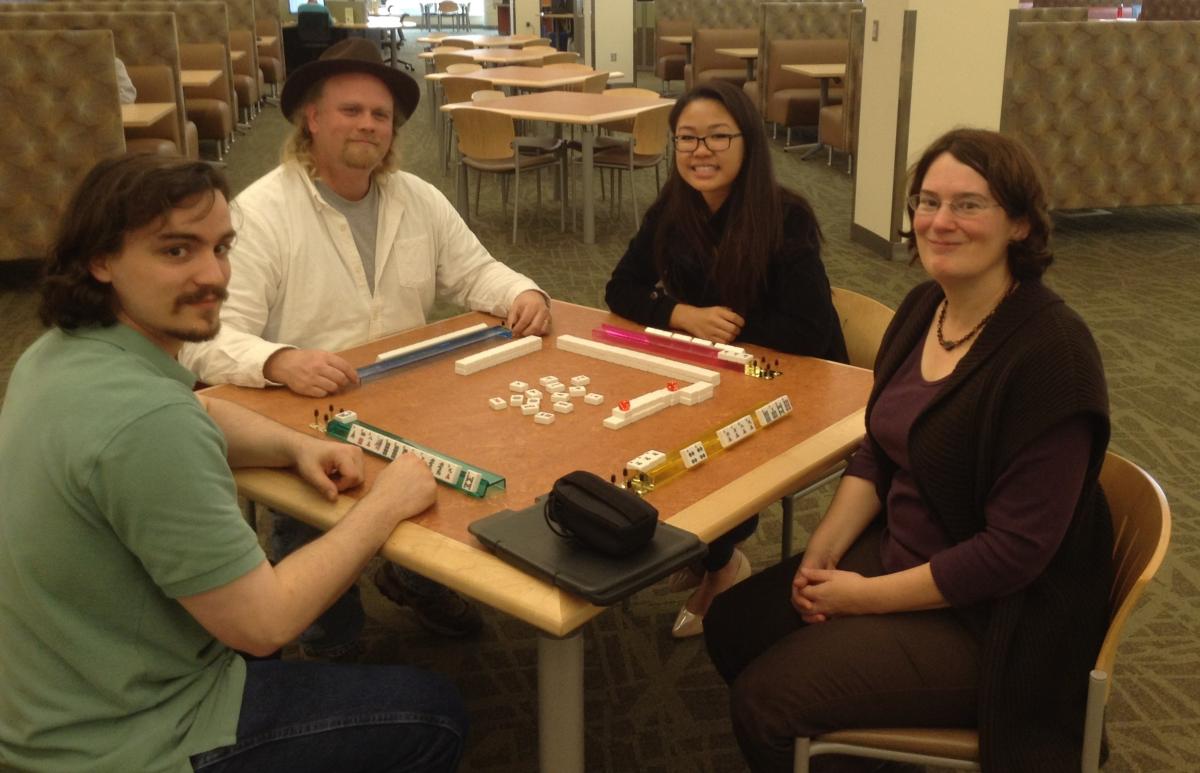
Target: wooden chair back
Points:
(864, 321)
(459, 89)
(483, 134)
(443, 60)
(650, 131)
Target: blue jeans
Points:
(320, 717)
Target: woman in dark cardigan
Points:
(960, 576)
(726, 254)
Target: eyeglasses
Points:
(964, 207)
(688, 143)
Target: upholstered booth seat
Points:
(208, 107)
(791, 99)
(152, 145)
(245, 74)
(670, 58)
(155, 83)
(708, 65)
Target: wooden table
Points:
(489, 41)
(391, 26)
(749, 55)
(573, 108)
(823, 73)
(139, 115)
(433, 38)
(198, 78)
(266, 40)
(530, 78)
(683, 40)
(497, 56)
(237, 56)
(827, 423)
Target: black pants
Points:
(790, 680)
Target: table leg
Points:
(464, 192)
(589, 204)
(560, 704)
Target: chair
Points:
(448, 9)
(1169, 10)
(837, 125)
(592, 84)
(457, 89)
(643, 150)
(625, 125)
(1141, 529)
(561, 57)
(488, 142)
(314, 30)
(443, 59)
(864, 321)
(462, 68)
(541, 42)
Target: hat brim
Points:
(405, 90)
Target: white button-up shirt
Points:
(298, 279)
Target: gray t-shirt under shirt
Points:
(363, 217)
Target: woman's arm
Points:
(797, 314)
(633, 291)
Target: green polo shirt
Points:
(117, 499)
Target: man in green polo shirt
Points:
(127, 574)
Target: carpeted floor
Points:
(656, 705)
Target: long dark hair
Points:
(754, 210)
(119, 195)
(1015, 181)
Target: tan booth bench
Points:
(791, 99)
(147, 42)
(201, 25)
(1091, 154)
(708, 65)
(670, 58)
(58, 93)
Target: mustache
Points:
(205, 293)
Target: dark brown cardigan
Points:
(1033, 366)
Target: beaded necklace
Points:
(949, 345)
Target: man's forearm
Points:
(253, 439)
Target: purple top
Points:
(1027, 511)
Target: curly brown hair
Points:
(1015, 182)
(119, 195)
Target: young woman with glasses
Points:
(726, 254)
(961, 573)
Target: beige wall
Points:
(613, 22)
(957, 79)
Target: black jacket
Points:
(795, 313)
(1034, 365)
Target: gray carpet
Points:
(654, 704)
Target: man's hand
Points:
(529, 314)
(406, 486)
(329, 467)
(309, 372)
(821, 594)
(714, 323)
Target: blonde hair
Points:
(298, 146)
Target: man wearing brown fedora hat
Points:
(337, 247)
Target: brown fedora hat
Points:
(350, 55)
